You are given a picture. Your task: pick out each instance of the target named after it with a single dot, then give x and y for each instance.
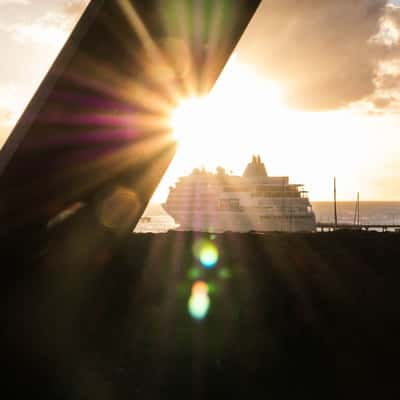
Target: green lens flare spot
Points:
(206, 252)
(194, 273)
(212, 288)
(225, 273)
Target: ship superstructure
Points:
(219, 202)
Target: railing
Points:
(330, 226)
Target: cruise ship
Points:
(219, 202)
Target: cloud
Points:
(52, 28)
(6, 124)
(10, 107)
(326, 54)
(12, 104)
(74, 8)
(14, 2)
(5, 116)
(4, 133)
(389, 82)
(383, 102)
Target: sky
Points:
(313, 88)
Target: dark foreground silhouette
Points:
(290, 315)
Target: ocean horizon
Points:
(371, 212)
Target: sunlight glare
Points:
(188, 118)
(246, 114)
(235, 112)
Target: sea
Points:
(371, 212)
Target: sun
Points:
(188, 119)
(242, 115)
(218, 126)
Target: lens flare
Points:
(120, 209)
(199, 306)
(199, 302)
(225, 273)
(200, 288)
(212, 288)
(209, 256)
(194, 273)
(207, 253)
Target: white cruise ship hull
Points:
(220, 202)
(241, 222)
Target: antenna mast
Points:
(356, 221)
(334, 201)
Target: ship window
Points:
(224, 204)
(234, 202)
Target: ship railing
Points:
(238, 209)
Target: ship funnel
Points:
(255, 169)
